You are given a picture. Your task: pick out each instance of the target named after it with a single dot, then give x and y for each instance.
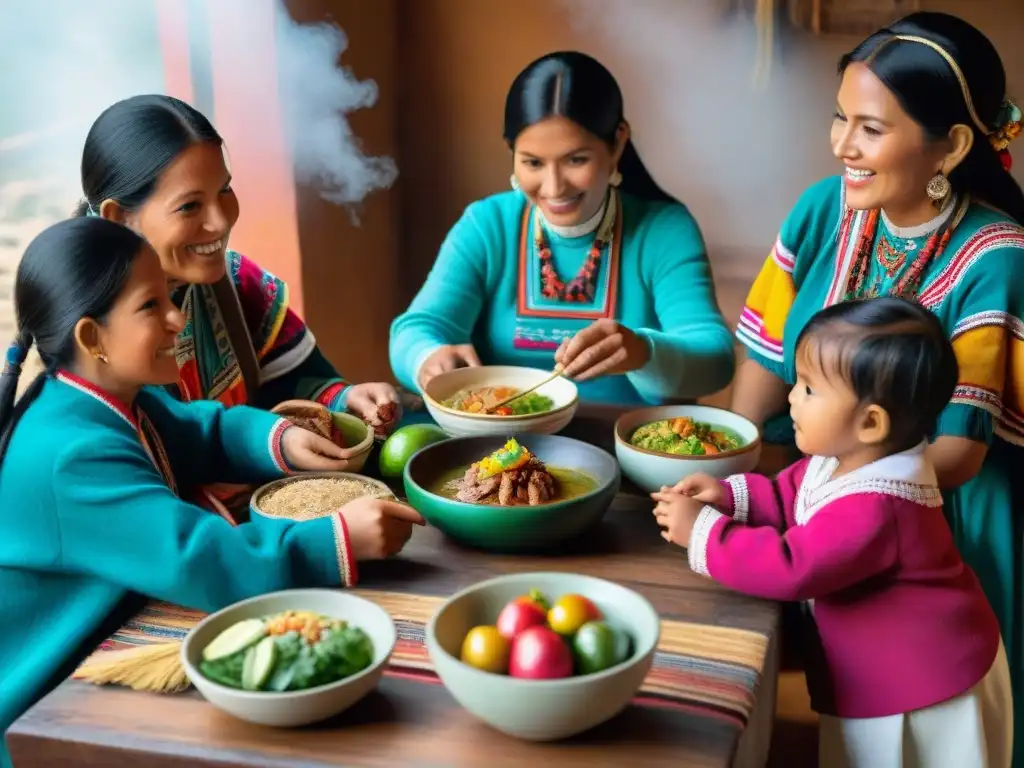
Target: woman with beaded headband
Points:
(926, 209)
(585, 263)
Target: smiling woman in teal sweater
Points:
(92, 460)
(581, 264)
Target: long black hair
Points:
(130, 145)
(929, 90)
(76, 268)
(892, 353)
(575, 86)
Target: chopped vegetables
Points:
(512, 456)
(291, 651)
(685, 437)
(482, 399)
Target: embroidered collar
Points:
(87, 387)
(577, 230)
(921, 230)
(907, 475)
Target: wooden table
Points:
(413, 723)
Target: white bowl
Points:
(562, 391)
(293, 708)
(542, 710)
(651, 470)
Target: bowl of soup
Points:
(660, 446)
(462, 401)
(512, 494)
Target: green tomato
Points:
(596, 647)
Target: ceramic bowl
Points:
(542, 710)
(256, 514)
(651, 470)
(562, 392)
(356, 435)
(518, 528)
(358, 438)
(293, 708)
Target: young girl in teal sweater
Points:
(94, 454)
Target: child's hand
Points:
(676, 514)
(702, 487)
(378, 528)
(309, 452)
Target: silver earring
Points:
(938, 188)
(513, 181)
(615, 179)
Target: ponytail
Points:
(637, 181)
(11, 411)
(983, 176)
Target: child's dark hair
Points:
(73, 269)
(891, 352)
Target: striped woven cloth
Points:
(713, 671)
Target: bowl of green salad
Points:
(660, 446)
(469, 401)
(290, 658)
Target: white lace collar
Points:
(907, 475)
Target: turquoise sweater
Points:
(86, 519)
(663, 291)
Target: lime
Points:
(399, 448)
(235, 638)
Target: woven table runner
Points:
(713, 671)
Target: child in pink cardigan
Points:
(911, 670)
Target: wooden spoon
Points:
(554, 375)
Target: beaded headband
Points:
(1009, 121)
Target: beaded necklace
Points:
(583, 287)
(892, 260)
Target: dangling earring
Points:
(100, 356)
(938, 188)
(513, 181)
(615, 179)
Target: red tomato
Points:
(518, 615)
(540, 654)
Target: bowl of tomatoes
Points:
(544, 656)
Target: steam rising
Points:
(315, 95)
(63, 61)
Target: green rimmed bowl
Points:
(518, 528)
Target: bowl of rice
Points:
(314, 495)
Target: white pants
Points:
(972, 730)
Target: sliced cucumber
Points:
(259, 664)
(235, 638)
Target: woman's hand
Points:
(368, 401)
(604, 347)
(307, 451)
(447, 358)
(378, 528)
(702, 487)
